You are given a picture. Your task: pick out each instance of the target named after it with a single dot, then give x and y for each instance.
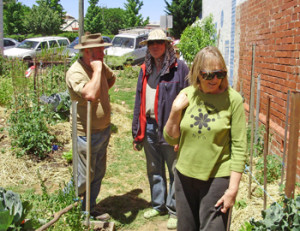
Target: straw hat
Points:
(91, 40)
(156, 34)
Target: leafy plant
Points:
(197, 36)
(6, 91)
(241, 204)
(279, 218)
(47, 204)
(68, 156)
(28, 129)
(259, 145)
(13, 211)
(273, 169)
(130, 72)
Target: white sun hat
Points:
(157, 34)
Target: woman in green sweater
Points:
(207, 126)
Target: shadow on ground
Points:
(123, 208)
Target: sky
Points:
(151, 8)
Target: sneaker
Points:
(100, 216)
(172, 223)
(151, 213)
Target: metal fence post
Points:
(74, 146)
(88, 162)
(285, 134)
(266, 149)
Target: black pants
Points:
(195, 203)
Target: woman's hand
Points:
(180, 102)
(176, 147)
(172, 125)
(227, 200)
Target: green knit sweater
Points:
(213, 135)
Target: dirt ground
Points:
(21, 173)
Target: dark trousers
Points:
(195, 203)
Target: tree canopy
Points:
(133, 18)
(13, 16)
(93, 19)
(114, 19)
(197, 36)
(184, 14)
(42, 20)
(56, 6)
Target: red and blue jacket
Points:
(167, 89)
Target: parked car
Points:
(10, 43)
(71, 52)
(126, 47)
(29, 48)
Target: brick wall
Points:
(274, 27)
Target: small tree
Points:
(197, 36)
(114, 19)
(133, 18)
(42, 20)
(56, 6)
(184, 14)
(13, 15)
(93, 20)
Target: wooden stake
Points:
(293, 146)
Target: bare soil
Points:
(22, 174)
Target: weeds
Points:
(28, 129)
(273, 169)
(259, 145)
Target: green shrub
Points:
(196, 37)
(28, 128)
(6, 91)
(278, 217)
(259, 146)
(68, 156)
(273, 169)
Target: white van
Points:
(29, 48)
(126, 47)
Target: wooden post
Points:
(266, 150)
(81, 19)
(285, 135)
(293, 146)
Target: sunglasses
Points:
(160, 42)
(211, 74)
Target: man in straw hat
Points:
(89, 79)
(161, 78)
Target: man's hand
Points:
(137, 147)
(96, 65)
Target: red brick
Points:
(288, 5)
(290, 69)
(279, 67)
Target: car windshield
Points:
(123, 42)
(27, 44)
(74, 43)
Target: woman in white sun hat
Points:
(161, 78)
